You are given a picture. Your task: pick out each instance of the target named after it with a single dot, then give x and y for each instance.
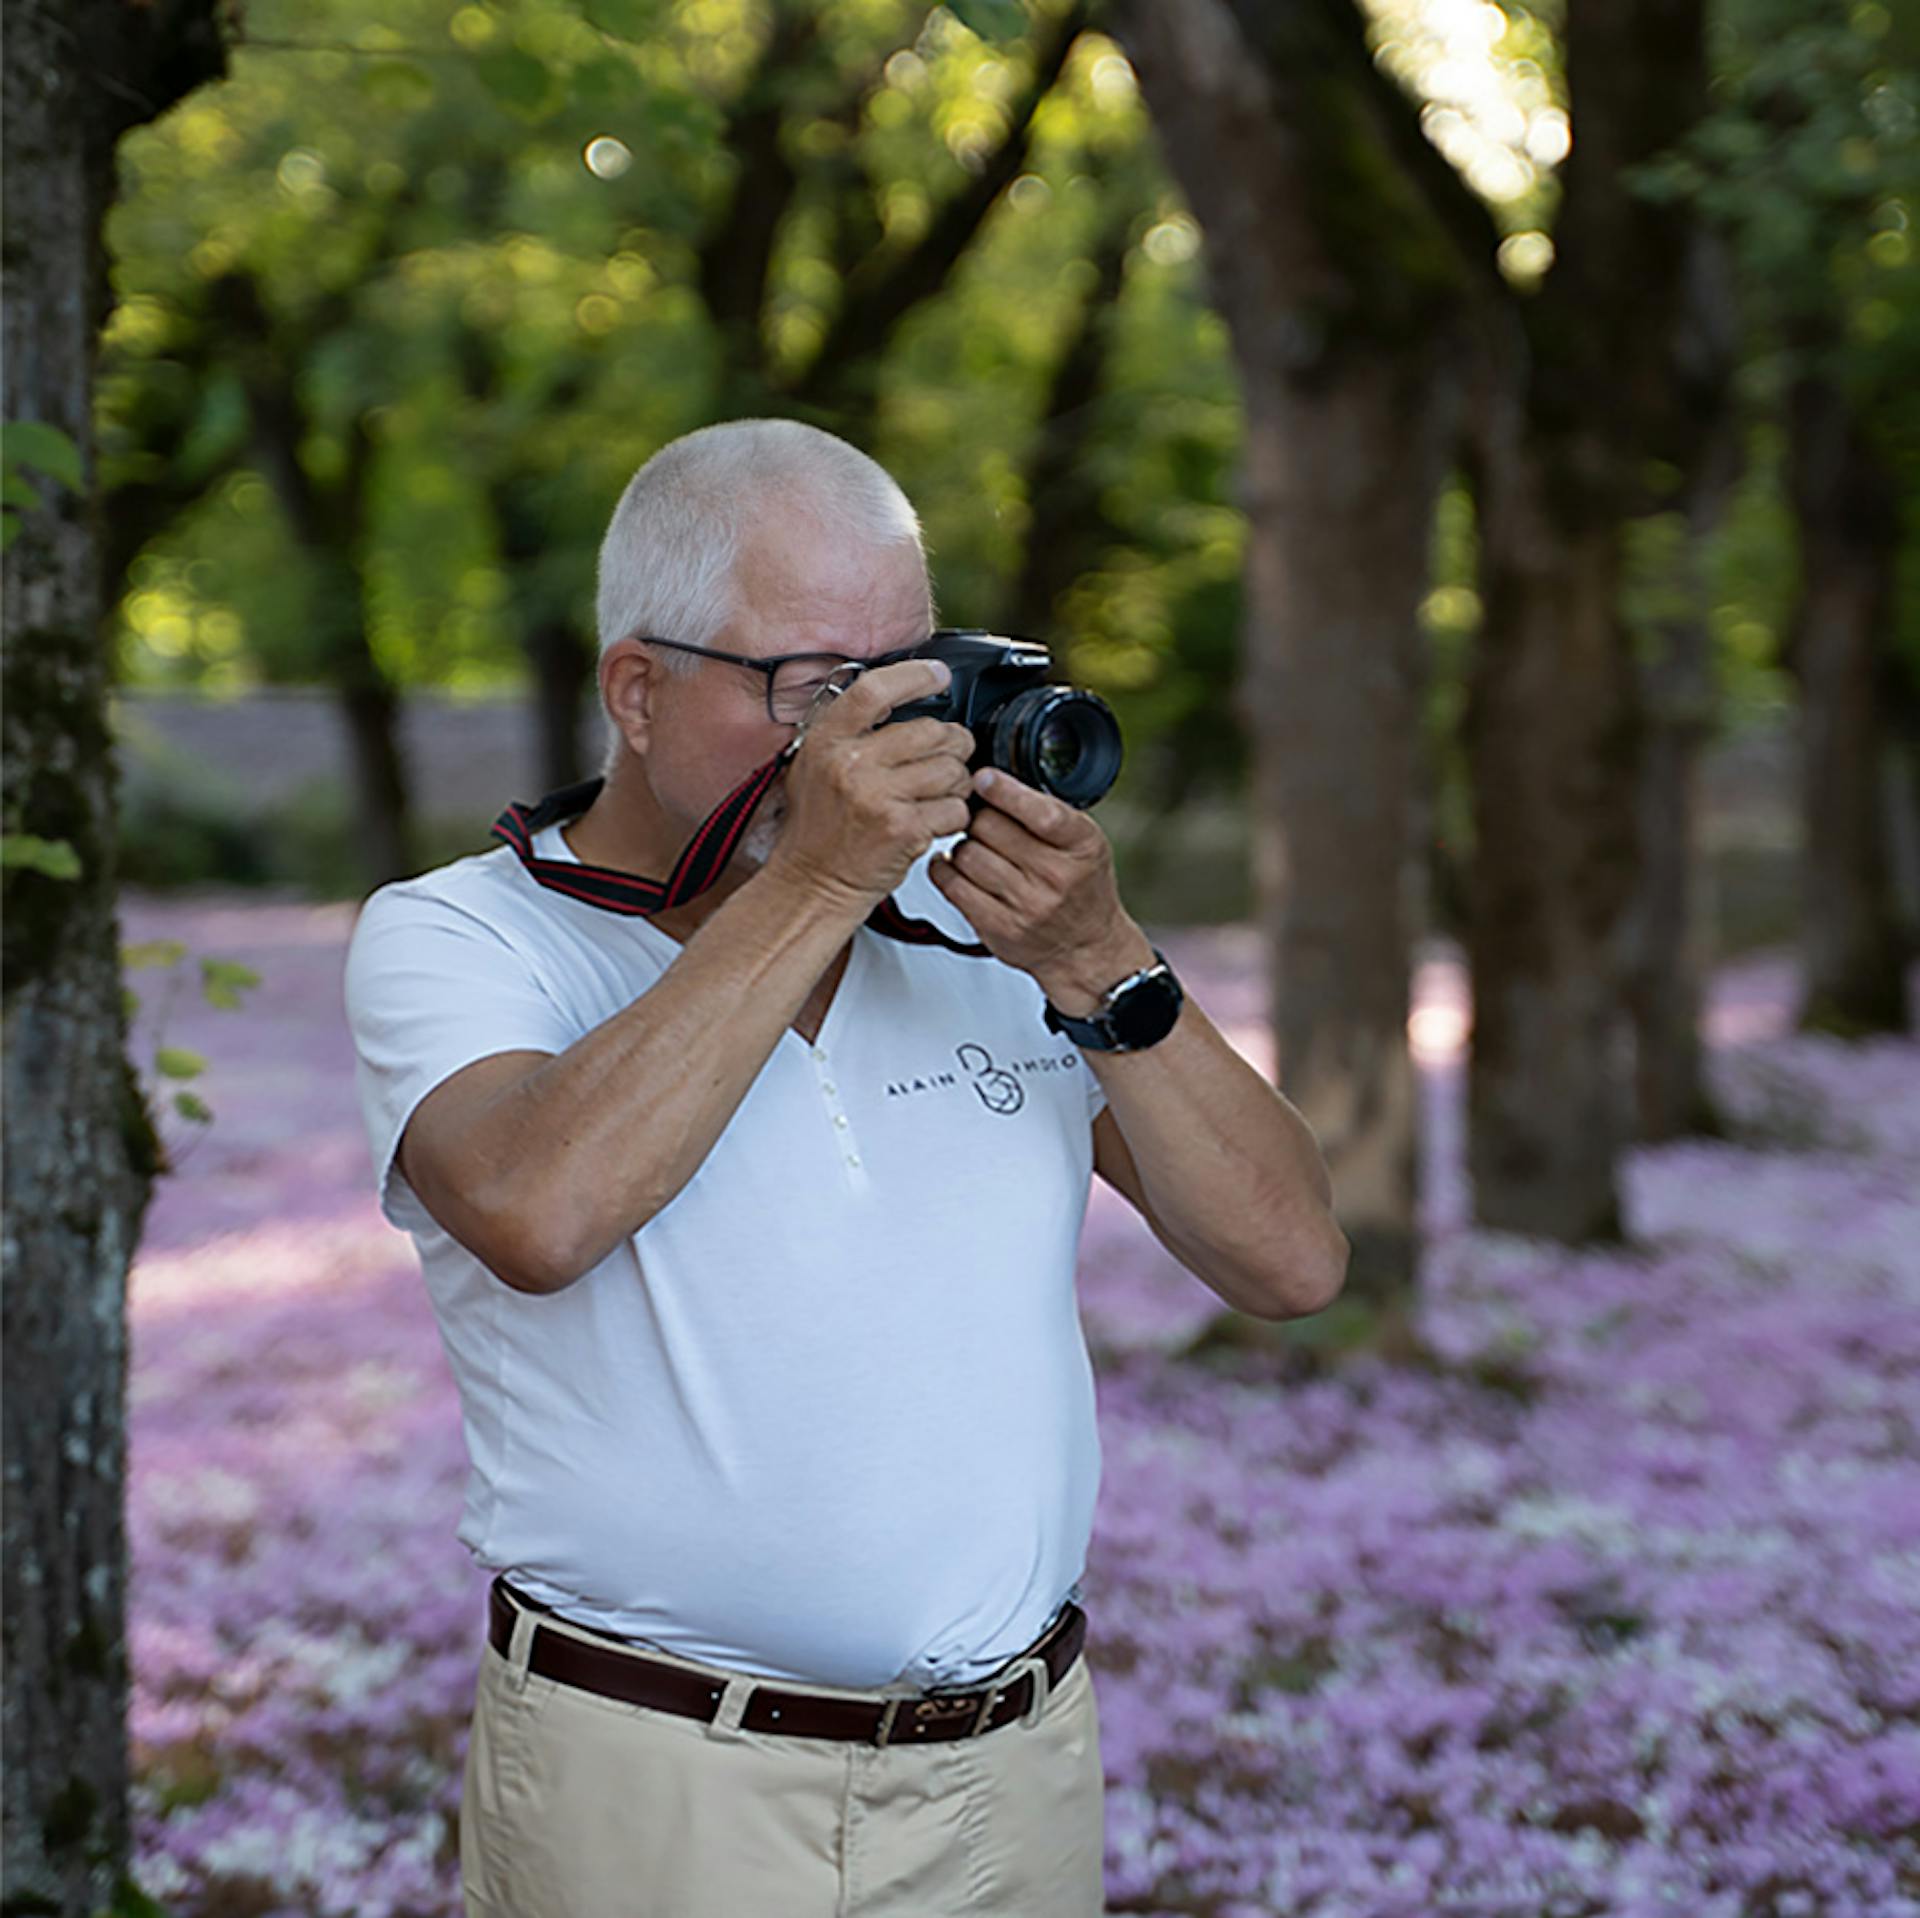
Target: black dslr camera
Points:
(1057, 738)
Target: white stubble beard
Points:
(757, 844)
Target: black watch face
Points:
(1145, 1015)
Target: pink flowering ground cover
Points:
(1605, 1599)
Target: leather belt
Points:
(628, 1674)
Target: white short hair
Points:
(667, 562)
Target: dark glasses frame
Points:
(770, 666)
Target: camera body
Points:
(1057, 738)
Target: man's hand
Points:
(865, 800)
(1034, 877)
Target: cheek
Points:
(701, 752)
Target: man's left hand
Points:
(1034, 877)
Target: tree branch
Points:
(887, 287)
(739, 246)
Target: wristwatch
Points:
(1139, 1012)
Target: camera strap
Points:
(698, 866)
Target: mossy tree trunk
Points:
(1848, 510)
(1587, 383)
(80, 1149)
(1345, 304)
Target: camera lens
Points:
(1057, 751)
(1061, 740)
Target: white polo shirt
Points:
(829, 1415)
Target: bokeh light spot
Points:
(607, 157)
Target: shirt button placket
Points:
(843, 1126)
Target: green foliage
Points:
(33, 443)
(1810, 164)
(221, 983)
(481, 239)
(485, 241)
(54, 857)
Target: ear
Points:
(629, 680)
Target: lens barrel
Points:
(1059, 739)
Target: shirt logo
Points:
(999, 1090)
(998, 1087)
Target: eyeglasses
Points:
(794, 680)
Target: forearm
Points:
(1231, 1172)
(599, 1139)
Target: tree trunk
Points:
(328, 522)
(381, 807)
(1583, 383)
(1668, 937)
(1848, 514)
(1064, 520)
(370, 713)
(80, 1148)
(1552, 735)
(563, 669)
(1342, 344)
(1341, 482)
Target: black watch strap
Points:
(1138, 1012)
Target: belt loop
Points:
(1042, 1689)
(725, 1723)
(520, 1649)
(992, 1697)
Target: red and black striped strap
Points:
(693, 872)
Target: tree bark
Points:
(1064, 520)
(563, 669)
(1668, 940)
(1341, 481)
(1552, 728)
(1582, 384)
(1849, 518)
(80, 1146)
(1342, 302)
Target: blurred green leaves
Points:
(33, 445)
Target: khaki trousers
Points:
(576, 1806)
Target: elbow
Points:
(1313, 1281)
(532, 1280)
(525, 1258)
(539, 1261)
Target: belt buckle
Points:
(936, 1708)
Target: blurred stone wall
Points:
(266, 750)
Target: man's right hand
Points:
(865, 800)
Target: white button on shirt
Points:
(829, 1415)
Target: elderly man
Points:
(749, 1211)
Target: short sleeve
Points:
(431, 988)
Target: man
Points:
(749, 1215)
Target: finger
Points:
(984, 913)
(936, 778)
(1007, 835)
(992, 872)
(875, 694)
(1044, 816)
(920, 739)
(944, 817)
